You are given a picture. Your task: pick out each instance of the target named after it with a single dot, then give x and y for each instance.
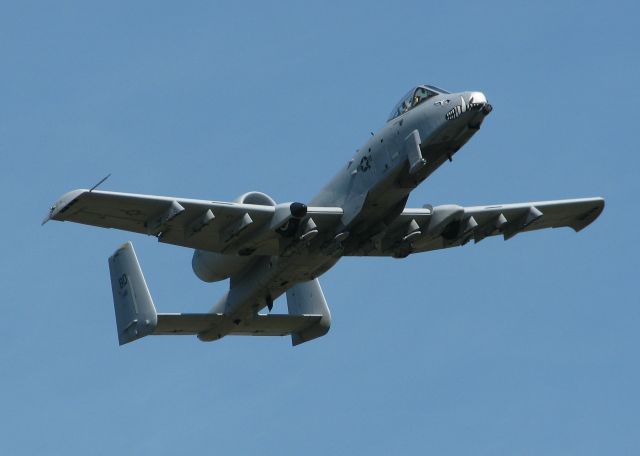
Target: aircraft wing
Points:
(425, 229)
(224, 227)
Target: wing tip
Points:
(63, 203)
(589, 216)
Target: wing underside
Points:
(238, 228)
(425, 229)
(216, 226)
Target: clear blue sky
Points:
(524, 347)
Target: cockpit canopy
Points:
(413, 98)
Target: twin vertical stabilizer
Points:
(136, 314)
(306, 298)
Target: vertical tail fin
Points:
(136, 315)
(306, 298)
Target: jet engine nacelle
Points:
(286, 217)
(212, 266)
(259, 198)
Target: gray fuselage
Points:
(372, 189)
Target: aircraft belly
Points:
(300, 268)
(369, 213)
(442, 145)
(269, 279)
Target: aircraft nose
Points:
(468, 105)
(477, 101)
(476, 97)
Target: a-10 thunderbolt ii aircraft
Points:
(268, 249)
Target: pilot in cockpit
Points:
(413, 98)
(420, 95)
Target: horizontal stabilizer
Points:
(260, 325)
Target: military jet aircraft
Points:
(268, 249)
